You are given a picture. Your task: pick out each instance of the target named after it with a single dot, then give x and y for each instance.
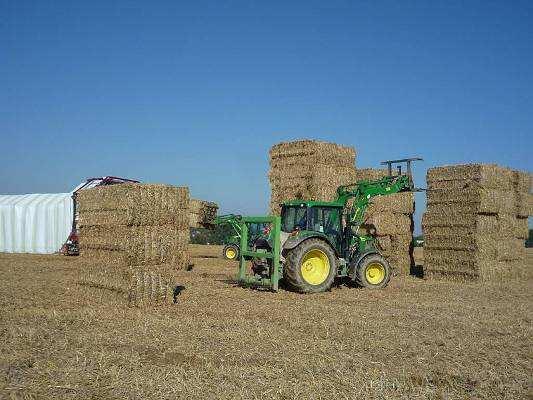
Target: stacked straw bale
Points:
(202, 213)
(135, 225)
(134, 285)
(475, 225)
(307, 169)
(391, 217)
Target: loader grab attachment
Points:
(272, 273)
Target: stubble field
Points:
(415, 339)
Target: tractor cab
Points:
(303, 219)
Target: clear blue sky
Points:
(194, 93)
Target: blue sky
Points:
(194, 93)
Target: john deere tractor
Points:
(232, 244)
(315, 242)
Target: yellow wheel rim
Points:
(231, 253)
(315, 267)
(375, 273)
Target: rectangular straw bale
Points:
(474, 175)
(132, 216)
(507, 261)
(475, 242)
(455, 265)
(390, 224)
(135, 195)
(104, 237)
(479, 200)
(503, 225)
(400, 203)
(286, 176)
(133, 204)
(445, 216)
(309, 152)
(136, 245)
(133, 285)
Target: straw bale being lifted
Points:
(475, 223)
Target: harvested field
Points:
(415, 339)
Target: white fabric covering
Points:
(35, 223)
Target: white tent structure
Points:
(35, 223)
(42, 223)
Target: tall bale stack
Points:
(475, 225)
(391, 217)
(308, 169)
(135, 225)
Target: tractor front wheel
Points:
(231, 252)
(373, 272)
(310, 267)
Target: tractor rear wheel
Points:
(373, 272)
(310, 267)
(231, 252)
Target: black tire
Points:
(363, 279)
(235, 249)
(292, 269)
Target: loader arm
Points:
(231, 219)
(362, 192)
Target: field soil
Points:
(415, 339)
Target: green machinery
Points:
(232, 246)
(315, 242)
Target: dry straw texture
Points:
(129, 227)
(413, 340)
(310, 170)
(475, 226)
(202, 213)
(135, 286)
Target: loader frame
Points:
(247, 254)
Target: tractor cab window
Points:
(293, 217)
(325, 220)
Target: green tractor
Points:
(315, 242)
(231, 250)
